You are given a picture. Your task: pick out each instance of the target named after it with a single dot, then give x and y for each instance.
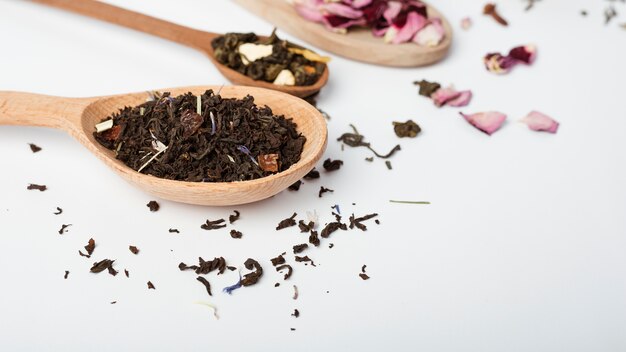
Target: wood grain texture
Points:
(196, 39)
(78, 116)
(357, 44)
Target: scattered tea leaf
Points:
(324, 190)
(332, 227)
(133, 249)
(253, 277)
(427, 88)
(331, 245)
(235, 234)
(295, 313)
(153, 205)
(67, 273)
(388, 163)
(364, 276)
(32, 186)
(151, 286)
(300, 248)
(113, 302)
(305, 259)
(174, 231)
(126, 273)
(314, 239)
(63, 228)
(295, 186)
(278, 260)
(34, 148)
(102, 265)
(357, 222)
(234, 217)
(206, 284)
(357, 140)
(59, 211)
(406, 129)
(91, 245)
(290, 221)
(213, 225)
(283, 267)
(313, 174)
(295, 292)
(332, 165)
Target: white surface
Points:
(522, 249)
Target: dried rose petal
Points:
(488, 122)
(430, 35)
(466, 23)
(462, 100)
(525, 54)
(537, 121)
(268, 162)
(413, 24)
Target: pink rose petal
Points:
(414, 23)
(430, 35)
(462, 100)
(392, 11)
(488, 122)
(537, 121)
(498, 63)
(444, 95)
(341, 10)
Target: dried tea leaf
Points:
(427, 88)
(91, 245)
(235, 234)
(357, 140)
(295, 186)
(206, 284)
(357, 222)
(133, 249)
(67, 273)
(278, 260)
(63, 228)
(295, 292)
(296, 313)
(332, 165)
(32, 186)
(153, 205)
(313, 174)
(58, 212)
(305, 259)
(300, 248)
(406, 129)
(289, 270)
(174, 231)
(332, 227)
(290, 221)
(363, 268)
(324, 190)
(235, 217)
(388, 164)
(126, 273)
(151, 286)
(253, 277)
(314, 239)
(34, 148)
(364, 276)
(213, 225)
(102, 265)
(305, 227)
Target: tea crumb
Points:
(324, 190)
(213, 225)
(358, 222)
(331, 245)
(40, 188)
(295, 292)
(370, 159)
(364, 276)
(34, 148)
(277, 284)
(174, 231)
(151, 286)
(290, 221)
(133, 249)
(253, 277)
(278, 260)
(406, 129)
(91, 245)
(388, 163)
(304, 227)
(153, 205)
(305, 259)
(295, 313)
(234, 217)
(293, 329)
(235, 234)
(58, 212)
(113, 302)
(63, 228)
(126, 273)
(363, 268)
(314, 239)
(67, 273)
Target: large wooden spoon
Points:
(196, 39)
(78, 117)
(358, 44)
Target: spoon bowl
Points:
(194, 38)
(78, 116)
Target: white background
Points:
(522, 249)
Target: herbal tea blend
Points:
(202, 139)
(271, 59)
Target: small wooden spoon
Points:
(357, 44)
(78, 116)
(196, 39)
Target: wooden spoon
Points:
(78, 116)
(184, 35)
(357, 44)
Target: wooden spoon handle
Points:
(27, 109)
(143, 23)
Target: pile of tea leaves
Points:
(269, 59)
(202, 139)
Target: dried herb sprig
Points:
(357, 140)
